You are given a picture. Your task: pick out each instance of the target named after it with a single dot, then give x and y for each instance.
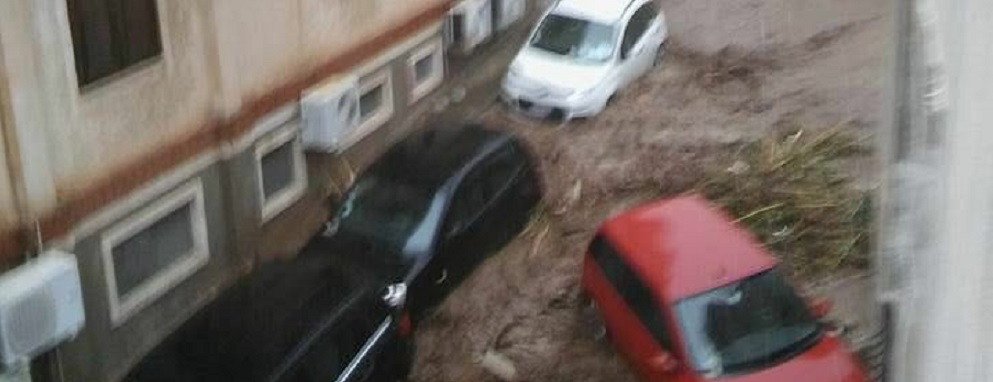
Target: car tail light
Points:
(404, 326)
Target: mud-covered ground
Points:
(735, 71)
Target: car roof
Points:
(603, 11)
(684, 246)
(431, 158)
(255, 327)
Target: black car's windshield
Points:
(385, 211)
(579, 39)
(746, 325)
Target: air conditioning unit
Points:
(41, 305)
(469, 24)
(330, 113)
(506, 12)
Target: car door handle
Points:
(442, 277)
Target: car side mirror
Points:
(395, 295)
(821, 306)
(663, 363)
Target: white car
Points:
(582, 53)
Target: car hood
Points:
(560, 74)
(826, 361)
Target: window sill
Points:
(136, 71)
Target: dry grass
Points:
(789, 191)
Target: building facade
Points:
(935, 270)
(158, 140)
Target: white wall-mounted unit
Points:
(469, 24)
(330, 113)
(506, 12)
(41, 305)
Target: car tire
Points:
(659, 55)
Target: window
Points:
(501, 170)
(423, 68)
(469, 201)
(579, 39)
(277, 170)
(375, 101)
(146, 255)
(112, 35)
(383, 209)
(627, 283)
(747, 325)
(426, 69)
(370, 101)
(281, 170)
(637, 26)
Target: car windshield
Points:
(579, 39)
(746, 325)
(386, 211)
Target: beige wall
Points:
(263, 43)
(22, 60)
(940, 228)
(216, 56)
(72, 136)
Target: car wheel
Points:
(659, 54)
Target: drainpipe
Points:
(27, 227)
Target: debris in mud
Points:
(498, 365)
(571, 197)
(730, 65)
(723, 68)
(790, 192)
(826, 37)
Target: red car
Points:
(686, 295)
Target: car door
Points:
(460, 228)
(352, 350)
(527, 184)
(463, 230)
(629, 311)
(511, 191)
(482, 207)
(637, 48)
(656, 33)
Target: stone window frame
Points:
(188, 195)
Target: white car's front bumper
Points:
(540, 101)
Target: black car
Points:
(313, 318)
(436, 204)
